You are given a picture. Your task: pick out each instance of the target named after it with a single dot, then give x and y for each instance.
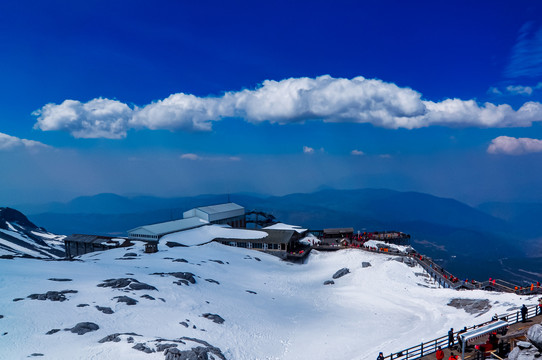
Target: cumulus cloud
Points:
(357, 152)
(293, 100)
(8, 142)
(98, 118)
(514, 146)
(194, 157)
(308, 150)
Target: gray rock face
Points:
(197, 353)
(186, 278)
(130, 254)
(105, 310)
(531, 353)
(471, 306)
(365, 264)
(329, 282)
(162, 347)
(83, 328)
(126, 299)
(126, 283)
(534, 334)
(214, 317)
(59, 279)
(142, 347)
(341, 273)
(110, 338)
(52, 295)
(52, 331)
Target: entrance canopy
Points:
(484, 330)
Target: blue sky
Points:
(180, 98)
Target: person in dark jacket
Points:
(523, 313)
(380, 356)
(451, 337)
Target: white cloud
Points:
(8, 142)
(526, 56)
(519, 90)
(308, 150)
(98, 118)
(357, 100)
(194, 157)
(514, 146)
(357, 152)
(494, 91)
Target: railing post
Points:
(421, 350)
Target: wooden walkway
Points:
(519, 329)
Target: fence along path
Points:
(442, 277)
(430, 347)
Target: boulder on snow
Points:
(162, 347)
(534, 334)
(214, 317)
(196, 353)
(52, 295)
(126, 299)
(365, 264)
(471, 306)
(341, 273)
(329, 282)
(143, 347)
(530, 353)
(83, 328)
(126, 283)
(104, 309)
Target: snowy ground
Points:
(272, 309)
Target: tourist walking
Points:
(439, 354)
(451, 337)
(523, 313)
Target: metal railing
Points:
(430, 347)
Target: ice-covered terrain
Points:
(270, 309)
(20, 237)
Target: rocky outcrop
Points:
(214, 317)
(126, 284)
(83, 328)
(52, 295)
(471, 306)
(341, 273)
(529, 350)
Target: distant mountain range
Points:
(465, 239)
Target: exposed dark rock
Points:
(365, 264)
(1, 316)
(173, 244)
(146, 296)
(257, 259)
(251, 292)
(130, 340)
(105, 310)
(162, 347)
(52, 331)
(329, 282)
(7, 257)
(185, 277)
(218, 261)
(18, 299)
(214, 317)
(126, 283)
(83, 328)
(163, 300)
(180, 260)
(126, 299)
(110, 338)
(212, 281)
(204, 352)
(183, 323)
(83, 305)
(341, 273)
(130, 254)
(59, 279)
(115, 337)
(36, 354)
(197, 353)
(143, 347)
(471, 306)
(534, 334)
(52, 295)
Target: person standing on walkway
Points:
(452, 356)
(523, 313)
(439, 354)
(380, 356)
(451, 337)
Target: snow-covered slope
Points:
(271, 309)
(20, 237)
